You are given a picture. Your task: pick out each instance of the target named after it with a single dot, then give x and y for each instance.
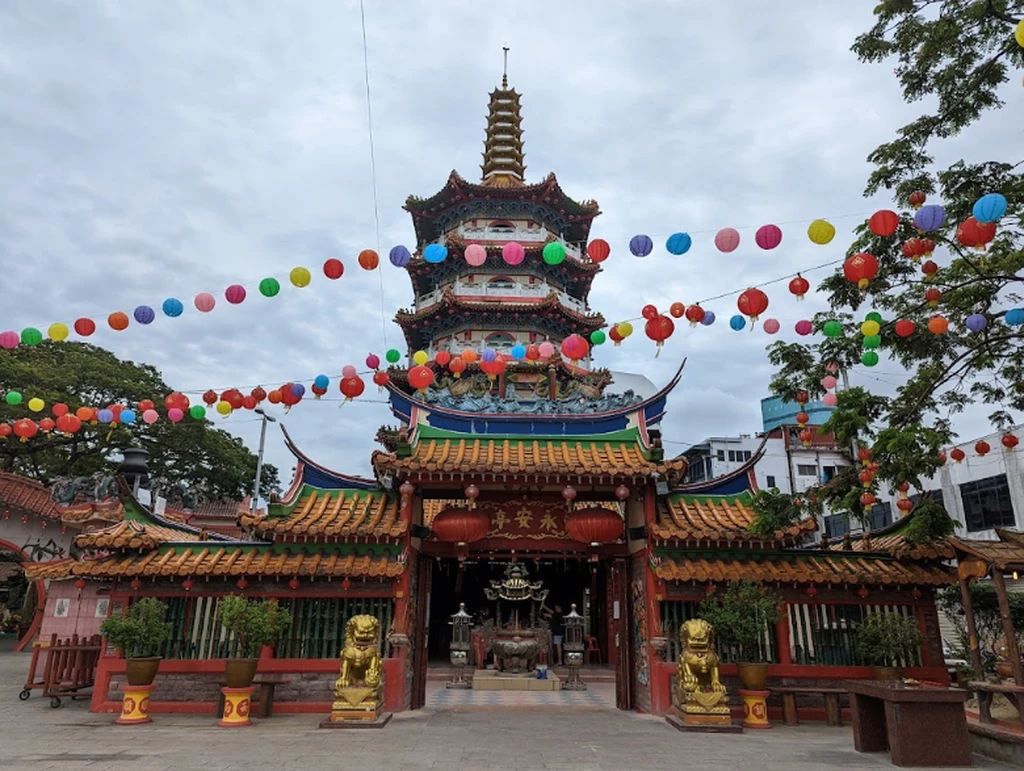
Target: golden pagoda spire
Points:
(503, 142)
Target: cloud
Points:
(153, 150)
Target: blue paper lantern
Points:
(144, 314)
(518, 352)
(105, 415)
(641, 245)
(1015, 317)
(976, 322)
(399, 256)
(709, 318)
(321, 382)
(172, 307)
(679, 243)
(737, 322)
(435, 253)
(929, 218)
(298, 390)
(127, 417)
(989, 208)
(489, 355)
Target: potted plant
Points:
(884, 640)
(253, 624)
(743, 615)
(139, 632)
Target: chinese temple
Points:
(543, 463)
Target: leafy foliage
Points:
(140, 630)
(255, 623)
(211, 461)
(952, 57)
(986, 618)
(773, 511)
(886, 639)
(741, 615)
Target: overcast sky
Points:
(153, 149)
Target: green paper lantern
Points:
(873, 341)
(13, 398)
(31, 336)
(554, 253)
(832, 328)
(597, 337)
(874, 316)
(869, 358)
(269, 287)
(392, 356)
(197, 411)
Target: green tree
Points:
(210, 461)
(953, 57)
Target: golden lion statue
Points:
(360, 658)
(700, 690)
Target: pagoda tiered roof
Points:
(719, 519)
(316, 514)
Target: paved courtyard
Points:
(569, 736)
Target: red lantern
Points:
(1009, 441)
(136, 584)
(59, 409)
(932, 296)
(80, 584)
(249, 402)
(5, 430)
(533, 351)
(802, 397)
(860, 269)
(145, 404)
(867, 500)
(904, 328)
(293, 584)
(274, 397)
(903, 487)
(929, 269)
(659, 329)
(863, 593)
(806, 436)
(942, 458)
(85, 327)
(442, 358)
(913, 248)
(622, 492)
(694, 314)
(368, 259)
(420, 377)
(187, 584)
(865, 477)
(883, 223)
(381, 379)
(46, 425)
(799, 286)
(457, 366)
(25, 429)
(616, 336)
(352, 387)
(927, 247)
(752, 303)
(982, 448)
(211, 398)
(972, 233)
(649, 312)
(916, 593)
(333, 268)
(68, 424)
(864, 455)
(677, 310)
(461, 526)
(472, 493)
(258, 394)
(574, 347)
(241, 583)
(176, 400)
(598, 250)
(957, 454)
(904, 504)
(917, 199)
(233, 397)
(812, 591)
(346, 584)
(802, 418)
(594, 526)
(569, 493)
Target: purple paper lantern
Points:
(489, 354)
(298, 390)
(399, 256)
(929, 218)
(976, 322)
(641, 245)
(709, 318)
(144, 314)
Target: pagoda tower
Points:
(512, 296)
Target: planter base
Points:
(135, 705)
(237, 702)
(755, 709)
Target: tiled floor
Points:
(597, 696)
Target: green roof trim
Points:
(626, 435)
(744, 497)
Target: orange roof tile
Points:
(333, 514)
(130, 534)
(111, 510)
(215, 560)
(804, 569)
(28, 495)
(1007, 553)
(506, 457)
(896, 545)
(724, 518)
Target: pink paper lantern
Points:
(768, 236)
(10, 339)
(830, 400)
(235, 294)
(476, 255)
(174, 414)
(828, 382)
(349, 370)
(727, 239)
(205, 302)
(804, 327)
(150, 416)
(373, 361)
(546, 349)
(513, 253)
(771, 326)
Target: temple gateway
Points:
(515, 490)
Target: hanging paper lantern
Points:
(368, 259)
(461, 526)
(927, 247)
(59, 409)
(85, 414)
(392, 356)
(957, 454)
(659, 329)
(118, 321)
(35, 404)
(334, 268)
(768, 236)
(904, 505)
(553, 253)
(913, 248)
(249, 402)
(929, 218)
(31, 336)
(873, 341)
(821, 232)
(258, 394)
(832, 329)
(421, 357)
(929, 269)
(865, 477)
(381, 379)
(300, 276)
(443, 357)
(982, 448)
(867, 500)
(989, 208)
(349, 370)
(870, 328)
(972, 233)
(830, 400)
(575, 347)
(468, 355)
(905, 327)
(869, 358)
(727, 239)
(1009, 441)
(10, 339)
(269, 287)
(205, 302)
(594, 526)
(150, 417)
(803, 327)
(737, 322)
(694, 314)
(172, 307)
(488, 355)
(434, 253)
(625, 329)
(57, 331)
(597, 337)
(640, 245)
(917, 198)
(298, 390)
(938, 325)
(457, 366)
(678, 243)
(352, 387)
(1014, 317)
(771, 326)
(533, 352)
(598, 250)
(176, 399)
(860, 269)
(1018, 33)
(420, 377)
(709, 318)
(513, 253)
(146, 404)
(235, 294)
(322, 382)
(197, 411)
(210, 397)
(874, 316)
(677, 310)
(752, 303)
(25, 429)
(174, 415)
(399, 256)
(68, 424)
(976, 322)
(932, 296)
(475, 255)
(373, 361)
(649, 312)
(223, 408)
(883, 223)
(799, 286)
(615, 336)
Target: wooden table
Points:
(919, 725)
(833, 714)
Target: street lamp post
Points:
(259, 457)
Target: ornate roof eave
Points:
(310, 472)
(551, 303)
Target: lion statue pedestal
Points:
(359, 689)
(699, 702)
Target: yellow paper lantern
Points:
(870, 328)
(625, 329)
(420, 357)
(58, 331)
(300, 276)
(821, 232)
(223, 408)
(1018, 34)
(36, 404)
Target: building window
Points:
(720, 455)
(836, 526)
(500, 341)
(987, 504)
(746, 455)
(501, 284)
(732, 456)
(880, 516)
(827, 473)
(770, 481)
(807, 470)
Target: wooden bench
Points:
(264, 701)
(985, 692)
(833, 715)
